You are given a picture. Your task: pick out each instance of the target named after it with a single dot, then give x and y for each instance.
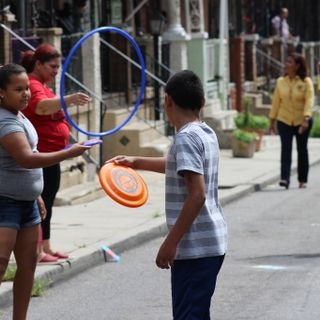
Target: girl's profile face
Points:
(16, 95)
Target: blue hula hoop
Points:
(65, 68)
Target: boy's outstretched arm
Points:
(195, 200)
(156, 164)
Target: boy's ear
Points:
(203, 102)
(168, 100)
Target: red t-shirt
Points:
(53, 130)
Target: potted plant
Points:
(252, 123)
(243, 143)
(315, 130)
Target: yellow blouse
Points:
(292, 100)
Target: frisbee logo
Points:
(125, 181)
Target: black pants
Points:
(51, 177)
(287, 133)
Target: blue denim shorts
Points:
(18, 214)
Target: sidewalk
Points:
(81, 230)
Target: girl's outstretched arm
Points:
(17, 145)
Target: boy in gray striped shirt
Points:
(195, 246)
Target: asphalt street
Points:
(271, 271)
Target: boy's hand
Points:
(123, 160)
(166, 255)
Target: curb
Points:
(69, 268)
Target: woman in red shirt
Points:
(45, 113)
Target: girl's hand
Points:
(42, 208)
(77, 149)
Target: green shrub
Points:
(10, 273)
(244, 135)
(248, 120)
(39, 287)
(315, 130)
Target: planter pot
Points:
(260, 133)
(243, 149)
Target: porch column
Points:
(176, 36)
(251, 56)
(6, 18)
(52, 36)
(237, 68)
(197, 46)
(90, 50)
(223, 69)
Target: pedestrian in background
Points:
(21, 184)
(280, 26)
(195, 246)
(292, 104)
(45, 113)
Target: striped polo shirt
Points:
(195, 148)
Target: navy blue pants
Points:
(287, 133)
(193, 282)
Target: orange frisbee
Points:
(123, 185)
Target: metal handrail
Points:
(87, 157)
(132, 61)
(162, 83)
(135, 10)
(273, 60)
(67, 74)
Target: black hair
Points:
(7, 71)
(186, 90)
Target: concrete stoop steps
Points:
(135, 138)
(80, 193)
(156, 148)
(257, 105)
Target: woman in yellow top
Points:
(292, 103)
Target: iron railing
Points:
(109, 99)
